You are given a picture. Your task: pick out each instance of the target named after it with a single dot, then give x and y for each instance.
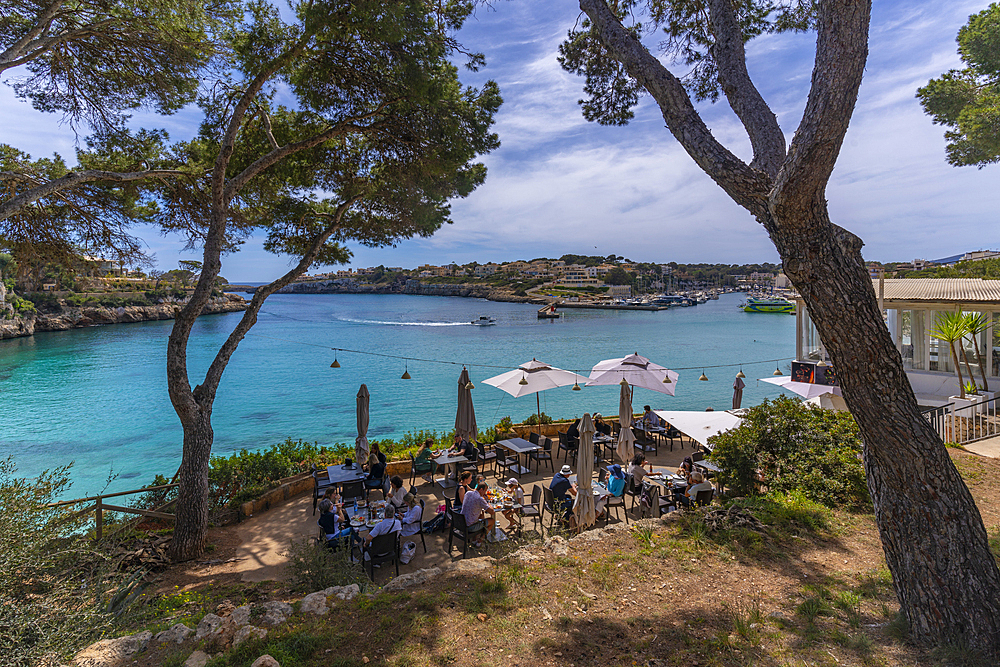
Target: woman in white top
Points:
(517, 493)
(413, 517)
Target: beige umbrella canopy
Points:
(361, 442)
(583, 508)
(465, 417)
(625, 438)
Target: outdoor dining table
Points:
(339, 474)
(447, 459)
(605, 441)
(707, 466)
(518, 446)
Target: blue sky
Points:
(561, 185)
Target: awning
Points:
(700, 426)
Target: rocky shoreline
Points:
(489, 292)
(71, 317)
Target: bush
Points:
(786, 446)
(541, 418)
(57, 591)
(312, 567)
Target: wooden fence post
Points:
(99, 511)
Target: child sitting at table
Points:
(517, 494)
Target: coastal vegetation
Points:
(922, 506)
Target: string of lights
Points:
(407, 359)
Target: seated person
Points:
(649, 418)
(687, 467)
(517, 493)
(377, 451)
(635, 468)
(376, 472)
(475, 510)
(463, 447)
(564, 492)
(424, 461)
(334, 523)
(600, 425)
(698, 483)
(390, 524)
(396, 492)
(464, 486)
(413, 516)
(573, 432)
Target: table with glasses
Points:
(517, 447)
(607, 442)
(444, 461)
(339, 474)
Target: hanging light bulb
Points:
(576, 386)
(666, 379)
(703, 378)
(406, 373)
(335, 364)
(523, 381)
(624, 382)
(470, 386)
(740, 375)
(822, 364)
(777, 372)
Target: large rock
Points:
(468, 565)
(412, 579)
(343, 592)
(557, 545)
(265, 661)
(589, 536)
(175, 635)
(209, 625)
(197, 659)
(314, 603)
(112, 652)
(275, 613)
(248, 632)
(241, 616)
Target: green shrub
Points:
(541, 418)
(786, 446)
(313, 567)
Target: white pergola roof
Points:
(700, 426)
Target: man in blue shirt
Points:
(564, 493)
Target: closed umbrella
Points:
(625, 437)
(738, 392)
(531, 378)
(361, 442)
(637, 371)
(583, 507)
(465, 417)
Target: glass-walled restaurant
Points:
(910, 307)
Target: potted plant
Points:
(952, 328)
(977, 323)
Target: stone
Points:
(647, 523)
(111, 652)
(275, 613)
(241, 615)
(225, 608)
(265, 661)
(557, 545)
(468, 565)
(197, 659)
(412, 579)
(589, 536)
(314, 603)
(617, 528)
(349, 592)
(210, 624)
(248, 632)
(176, 634)
(524, 555)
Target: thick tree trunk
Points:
(932, 533)
(192, 498)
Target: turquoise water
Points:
(98, 396)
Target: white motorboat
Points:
(484, 321)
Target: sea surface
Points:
(97, 397)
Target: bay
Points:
(97, 397)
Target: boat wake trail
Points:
(405, 324)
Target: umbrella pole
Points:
(538, 406)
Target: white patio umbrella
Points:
(803, 389)
(583, 507)
(465, 416)
(829, 402)
(361, 442)
(533, 377)
(637, 371)
(700, 425)
(625, 436)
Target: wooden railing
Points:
(100, 507)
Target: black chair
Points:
(632, 489)
(643, 442)
(705, 497)
(543, 454)
(602, 476)
(413, 470)
(549, 506)
(420, 526)
(460, 529)
(698, 456)
(657, 504)
(352, 491)
(614, 502)
(533, 438)
(382, 549)
(534, 508)
(487, 458)
(567, 445)
(321, 482)
(671, 434)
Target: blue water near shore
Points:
(98, 396)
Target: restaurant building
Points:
(910, 307)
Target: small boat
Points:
(548, 312)
(484, 321)
(769, 305)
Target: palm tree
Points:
(952, 327)
(977, 323)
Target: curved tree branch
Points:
(746, 101)
(748, 187)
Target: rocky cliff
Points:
(71, 317)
